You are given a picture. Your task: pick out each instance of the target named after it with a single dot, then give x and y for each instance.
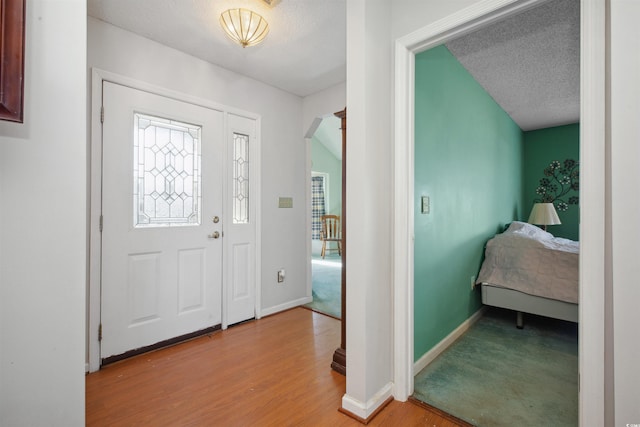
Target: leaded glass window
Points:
(240, 178)
(166, 172)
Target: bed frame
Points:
(524, 303)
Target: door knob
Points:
(216, 219)
(214, 235)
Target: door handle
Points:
(214, 235)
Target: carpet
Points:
(498, 375)
(326, 276)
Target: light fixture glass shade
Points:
(244, 26)
(544, 214)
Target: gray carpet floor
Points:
(497, 375)
(325, 277)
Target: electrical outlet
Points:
(473, 282)
(281, 275)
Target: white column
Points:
(369, 206)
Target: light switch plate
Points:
(425, 205)
(285, 202)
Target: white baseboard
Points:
(429, 356)
(285, 306)
(365, 409)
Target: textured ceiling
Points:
(529, 63)
(305, 51)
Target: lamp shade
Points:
(544, 214)
(244, 26)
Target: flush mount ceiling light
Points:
(244, 26)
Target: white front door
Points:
(163, 180)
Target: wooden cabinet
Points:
(339, 363)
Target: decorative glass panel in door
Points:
(166, 187)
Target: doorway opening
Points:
(326, 203)
(591, 309)
(510, 160)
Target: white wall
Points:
(322, 104)
(625, 204)
(43, 165)
(283, 151)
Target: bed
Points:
(529, 270)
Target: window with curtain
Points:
(317, 204)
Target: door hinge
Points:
(102, 114)
(101, 223)
(100, 332)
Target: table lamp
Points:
(544, 214)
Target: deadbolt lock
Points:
(216, 219)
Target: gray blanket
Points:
(530, 260)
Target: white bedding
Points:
(530, 260)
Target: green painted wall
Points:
(469, 157)
(541, 147)
(322, 160)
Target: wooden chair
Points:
(330, 232)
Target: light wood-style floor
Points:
(271, 372)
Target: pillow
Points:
(528, 230)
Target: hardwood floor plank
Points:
(275, 371)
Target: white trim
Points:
(98, 76)
(286, 306)
(593, 158)
(224, 322)
(171, 94)
(430, 356)
(257, 196)
(470, 19)
(95, 236)
(308, 222)
(312, 129)
(365, 409)
(403, 328)
(593, 178)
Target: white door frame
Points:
(592, 212)
(95, 208)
